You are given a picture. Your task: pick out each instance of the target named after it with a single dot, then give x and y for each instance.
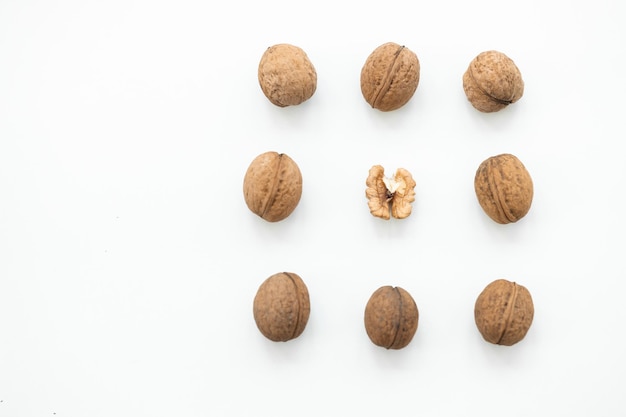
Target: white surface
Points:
(129, 261)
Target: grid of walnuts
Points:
(272, 188)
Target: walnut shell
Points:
(387, 196)
(286, 75)
(281, 307)
(390, 76)
(272, 186)
(391, 317)
(492, 81)
(504, 188)
(504, 312)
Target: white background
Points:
(129, 260)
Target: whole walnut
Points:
(272, 186)
(391, 317)
(504, 188)
(286, 75)
(390, 76)
(492, 81)
(389, 196)
(282, 307)
(504, 312)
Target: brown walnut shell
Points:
(272, 186)
(390, 76)
(391, 317)
(286, 75)
(492, 81)
(281, 307)
(504, 188)
(389, 196)
(504, 312)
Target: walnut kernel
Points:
(390, 196)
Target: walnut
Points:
(389, 195)
(272, 186)
(390, 76)
(282, 306)
(504, 188)
(492, 81)
(286, 75)
(391, 317)
(504, 312)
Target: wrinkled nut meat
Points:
(286, 75)
(281, 307)
(389, 195)
(390, 76)
(391, 317)
(492, 81)
(272, 186)
(504, 188)
(504, 312)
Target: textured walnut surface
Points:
(492, 81)
(391, 317)
(504, 312)
(390, 76)
(281, 307)
(286, 75)
(272, 186)
(504, 188)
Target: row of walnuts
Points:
(503, 312)
(272, 189)
(389, 78)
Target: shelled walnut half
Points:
(390, 195)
